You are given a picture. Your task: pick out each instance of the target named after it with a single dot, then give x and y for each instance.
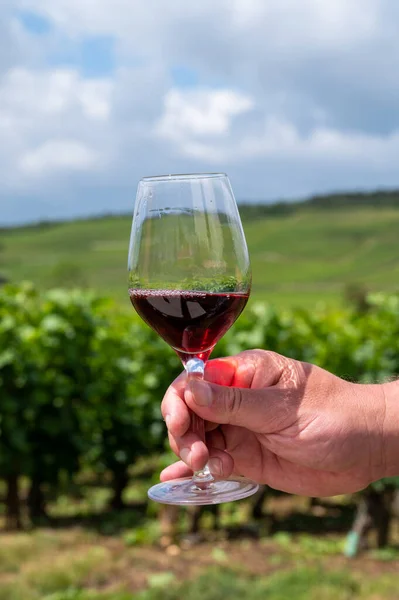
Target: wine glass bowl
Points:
(190, 279)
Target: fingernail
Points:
(215, 466)
(201, 392)
(185, 455)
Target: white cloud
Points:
(49, 93)
(304, 24)
(50, 121)
(293, 96)
(56, 155)
(280, 139)
(201, 112)
(153, 22)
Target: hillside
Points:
(301, 253)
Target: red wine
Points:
(190, 322)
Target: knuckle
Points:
(232, 401)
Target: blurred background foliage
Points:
(81, 381)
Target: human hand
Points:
(281, 422)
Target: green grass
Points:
(73, 564)
(298, 259)
(301, 583)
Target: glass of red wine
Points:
(190, 279)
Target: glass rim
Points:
(181, 177)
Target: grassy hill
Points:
(301, 253)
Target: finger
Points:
(239, 371)
(191, 449)
(174, 409)
(249, 369)
(221, 370)
(260, 410)
(214, 437)
(176, 471)
(220, 464)
(195, 454)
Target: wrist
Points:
(390, 431)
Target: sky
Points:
(289, 97)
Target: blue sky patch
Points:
(93, 56)
(97, 56)
(33, 22)
(183, 76)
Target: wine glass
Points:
(190, 279)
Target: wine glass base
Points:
(185, 492)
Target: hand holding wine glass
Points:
(285, 423)
(189, 279)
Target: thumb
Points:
(260, 410)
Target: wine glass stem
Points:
(195, 368)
